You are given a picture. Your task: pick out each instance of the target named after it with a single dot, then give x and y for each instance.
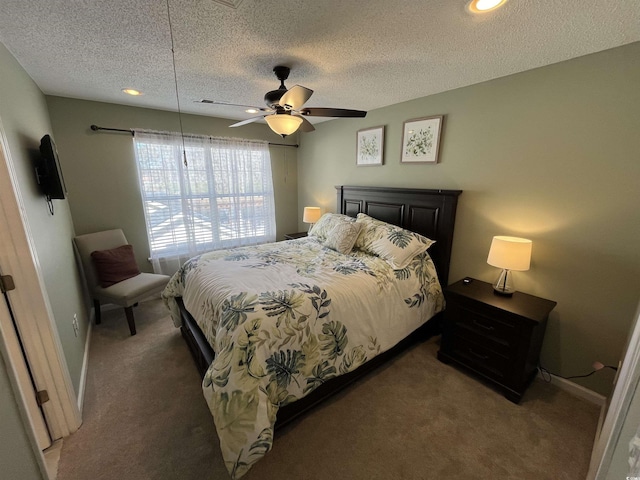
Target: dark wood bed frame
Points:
(428, 212)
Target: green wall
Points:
(100, 169)
(25, 118)
(551, 154)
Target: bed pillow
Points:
(372, 230)
(115, 265)
(343, 236)
(392, 243)
(322, 227)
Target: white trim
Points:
(22, 392)
(31, 307)
(85, 366)
(52, 458)
(576, 390)
(105, 307)
(20, 379)
(627, 382)
(15, 362)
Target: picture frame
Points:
(421, 139)
(370, 147)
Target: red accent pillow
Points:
(115, 265)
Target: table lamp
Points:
(508, 253)
(311, 215)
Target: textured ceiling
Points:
(353, 54)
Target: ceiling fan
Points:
(285, 114)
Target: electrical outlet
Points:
(75, 324)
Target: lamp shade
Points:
(510, 253)
(311, 214)
(283, 124)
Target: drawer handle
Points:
(478, 355)
(486, 327)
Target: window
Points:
(223, 198)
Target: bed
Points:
(296, 321)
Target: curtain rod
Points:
(96, 128)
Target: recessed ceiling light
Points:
(131, 91)
(251, 110)
(481, 6)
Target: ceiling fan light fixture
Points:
(283, 124)
(482, 6)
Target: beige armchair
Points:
(126, 293)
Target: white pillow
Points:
(343, 236)
(398, 250)
(370, 231)
(322, 227)
(394, 244)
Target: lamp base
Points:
(501, 292)
(503, 285)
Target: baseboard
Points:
(85, 363)
(106, 307)
(575, 389)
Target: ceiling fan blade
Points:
(332, 112)
(249, 120)
(295, 97)
(306, 126)
(214, 102)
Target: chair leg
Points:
(132, 323)
(96, 308)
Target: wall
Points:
(550, 154)
(24, 115)
(100, 169)
(25, 120)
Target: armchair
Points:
(126, 293)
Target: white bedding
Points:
(283, 318)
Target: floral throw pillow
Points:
(326, 223)
(372, 230)
(343, 236)
(394, 244)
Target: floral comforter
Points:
(284, 318)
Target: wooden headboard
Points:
(431, 213)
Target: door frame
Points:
(615, 410)
(19, 376)
(32, 310)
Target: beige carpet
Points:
(416, 418)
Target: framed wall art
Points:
(421, 139)
(370, 146)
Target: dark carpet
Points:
(414, 418)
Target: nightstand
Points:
(498, 338)
(293, 236)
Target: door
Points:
(34, 319)
(23, 380)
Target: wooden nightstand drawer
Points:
(499, 335)
(482, 359)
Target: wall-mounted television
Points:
(48, 171)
